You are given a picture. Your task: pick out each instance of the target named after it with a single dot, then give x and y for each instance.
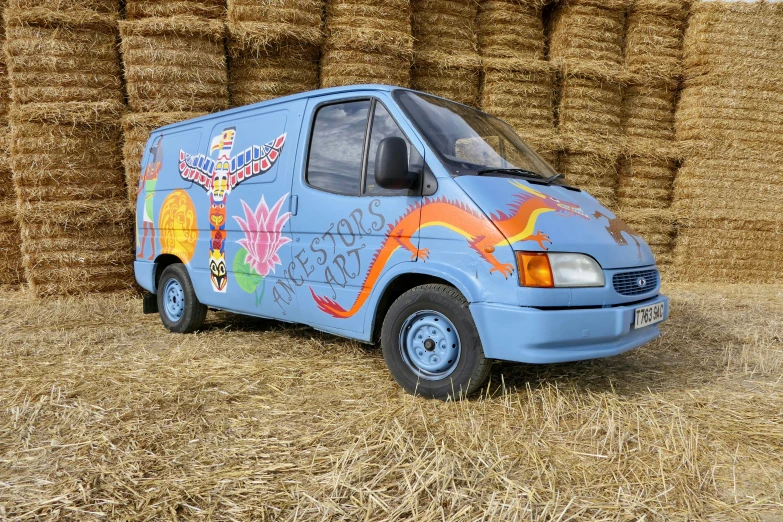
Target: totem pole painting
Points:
(218, 177)
(147, 183)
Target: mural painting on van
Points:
(616, 228)
(263, 238)
(483, 235)
(336, 255)
(178, 225)
(218, 177)
(147, 182)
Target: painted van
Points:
(388, 215)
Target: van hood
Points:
(536, 217)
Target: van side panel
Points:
(165, 215)
(241, 184)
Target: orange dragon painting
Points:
(483, 235)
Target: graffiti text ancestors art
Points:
(263, 238)
(218, 177)
(178, 226)
(482, 235)
(335, 256)
(147, 182)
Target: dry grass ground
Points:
(105, 416)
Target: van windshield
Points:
(470, 142)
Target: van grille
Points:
(635, 283)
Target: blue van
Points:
(388, 215)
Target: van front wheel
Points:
(431, 345)
(179, 308)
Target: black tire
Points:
(472, 368)
(193, 313)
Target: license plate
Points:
(648, 315)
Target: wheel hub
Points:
(173, 300)
(429, 345)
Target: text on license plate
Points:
(648, 315)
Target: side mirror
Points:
(391, 165)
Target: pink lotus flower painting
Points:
(263, 238)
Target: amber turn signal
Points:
(534, 270)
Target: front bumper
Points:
(532, 335)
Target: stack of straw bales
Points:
(446, 60)
(653, 56)
(10, 254)
(518, 83)
(175, 68)
(64, 71)
(586, 43)
(367, 41)
(729, 119)
(274, 48)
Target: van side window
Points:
(384, 126)
(336, 147)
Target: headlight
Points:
(548, 270)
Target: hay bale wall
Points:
(64, 71)
(274, 48)
(10, 253)
(518, 83)
(174, 60)
(446, 60)
(729, 119)
(367, 41)
(586, 44)
(653, 57)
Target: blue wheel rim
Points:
(429, 345)
(173, 300)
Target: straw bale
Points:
(175, 64)
(588, 33)
(10, 257)
(725, 180)
(136, 131)
(744, 114)
(347, 67)
(521, 93)
(65, 263)
(591, 172)
(254, 25)
(99, 6)
(648, 112)
(590, 107)
(371, 26)
(273, 72)
(62, 64)
(51, 154)
(5, 159)
(448, 26)
(645, 182)
(137, 9)
(5, 87)
(654, 35)
(454, 83)
(510, 29)
(656, 226)
(446, 61)
(729, 250)
(730, 37)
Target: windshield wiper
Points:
(552, 179)
(517, 172)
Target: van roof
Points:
(284, 99)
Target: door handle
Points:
(294, 205)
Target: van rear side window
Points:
(336, 147)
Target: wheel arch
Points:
(400, 283)
(162, 262)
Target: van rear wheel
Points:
(179, 308)
(431, 345)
